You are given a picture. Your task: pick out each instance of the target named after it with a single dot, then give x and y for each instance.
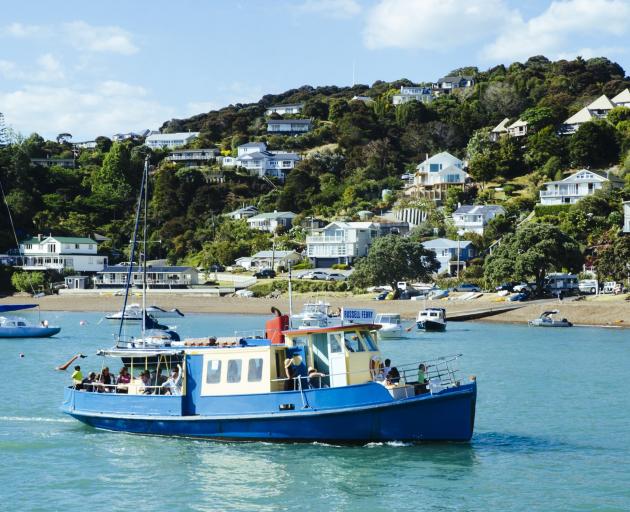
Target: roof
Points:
(113, 269)
(350, 225)
(284, 156)
(517, 124)
(272, 215)
(170, 136)
(501, 127)
(440, 157)
(446, 243)
(601, 103)
(478, 209)
(252, 145)
(595, 176)
(582, 116)
(258, 155)
(622, 97)
(245, 209)
(289, 121)
(452, 79)
(271, 254)
(62, 239)
(301, 105)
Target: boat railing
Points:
(253, 333)
(120, 389)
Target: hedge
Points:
(542, 210)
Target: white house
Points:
(269, 259)
(448, 84)
(169, 140)
(193, 157)
(243, 213)
(518, 128)
(271, 221)
(435, 175)
(451, 254)
(598, 109)
(66, 163)
(290, 108)
(289, 126)
(158, 276)
(626, 216)
(422, 94)
(473, 219)
(499, 130)
(61, 253)
(573, 188)
(268, 163)
(340, 242)
(251, 147)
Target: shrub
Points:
(543, 210)
(340, 266)
(303, 265)
(28, 281)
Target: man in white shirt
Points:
(173, 385)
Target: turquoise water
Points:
(552, 433)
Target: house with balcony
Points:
(269, 259)
(573, 188)
(61, 253)
(66, 163)
(473, 219)
(193, 157)
(258, 161)
(289, 126)
(340, 242)
(448, 84)
(598, 109)
(626, 216)
(289, 108)
(271, 221)
(243, 213)
(451, 254)
(500, 130)
(517, 129)
(170, 140)
(436, 175)
(419, 93)
(158, 276)
(622, 99)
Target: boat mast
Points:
(290, 297)
(144, 246)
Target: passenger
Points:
(421, 387)
(159, 379)
(173, 386)
(106, 381)
(89, 383)
(122, 384)
(77, 377)
(314, 378)
(290, 374)
(393, 377)
(387, 368)
(145, 378)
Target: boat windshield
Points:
(388, 319)
(316, 308)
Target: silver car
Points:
(336, 276)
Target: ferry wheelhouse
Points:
(310, 384)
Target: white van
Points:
(587, 286)
(565, 283)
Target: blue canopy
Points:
(15, 307)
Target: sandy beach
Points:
(604, 310)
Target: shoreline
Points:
(602, 311)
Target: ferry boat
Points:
(391, 326)
(18, 327)
(312, 384)
(432, 319)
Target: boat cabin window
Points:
(352, 342)
(335, 343)
(369, 341)
(213, 371)
(234, 370)
(300, 341)
(254, 370)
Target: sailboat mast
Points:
(144, 246)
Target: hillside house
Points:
(435, 175)
(61, 253)
(271, 221)
(422, 94)
(622, 99)
(500, 130)
(258, 161)
(451, 254)
(170, 140)
(340, 242)
(269, 259)
(243, 213)
(598, 109)
(518, 128)
(290, 108)
(448, 84)
(573, 188)
(289, 126)
(626, 216)
(473, 219)
(193, 157)
(66, 163)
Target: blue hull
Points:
(28, 332)
(448, 416)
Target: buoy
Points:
(21, 354)
(82, 322)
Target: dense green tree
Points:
(614, 260)
(110, 181)
(533, 251)
(618, 114)
(391, 259)
(543, 145)
(594, 145)
(29, 282)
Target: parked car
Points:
(466, 287)
(265, 273)
(315, 275)
(217, 268)
(506, 286)
(336, 276)
(522, 287)
(588, 286)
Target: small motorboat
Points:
(134, 312)
(546, 319)
(391, 326)
(432, 319)
(316, 314)
(18, 327)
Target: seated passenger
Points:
(123, 380)
(314, 378)
(106, 382)
(173, 386)
(145, 378)
(393, 377)
(77, 377)
(89, 383)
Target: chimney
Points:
(39, 237)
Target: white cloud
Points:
(100, 39)
(562, 29)
(17, 29)
(332, 8)
(84, 112)
(433, 25)
(46, 69)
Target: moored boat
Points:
(313, 384)
(18, 327)
(432, 319)
(391, 326)
(133, 312)
(546, 319)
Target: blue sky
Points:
(97, 68)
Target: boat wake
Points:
(32, 419)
